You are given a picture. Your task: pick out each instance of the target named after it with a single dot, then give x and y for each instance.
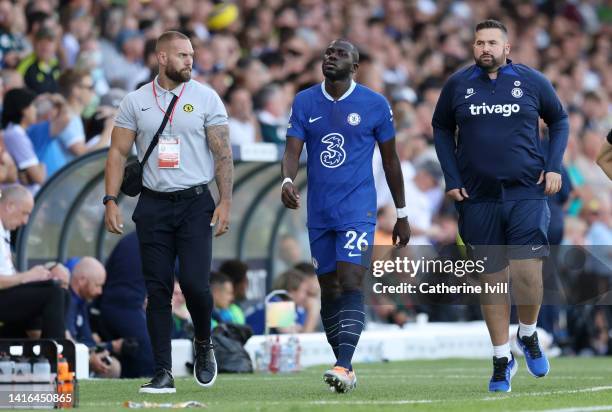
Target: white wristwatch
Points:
(402, 212)
(287, 179)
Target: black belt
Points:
(178, 195)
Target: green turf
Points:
(443, 385)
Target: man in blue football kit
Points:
(486, 137)
(341, 122)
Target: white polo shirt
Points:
(198, 107)
(6, 259)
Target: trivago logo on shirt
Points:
(505, 110)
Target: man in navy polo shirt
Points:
(486, 137)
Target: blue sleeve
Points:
(296, 120)
(86, 334)
(384, 129)
(444, 127)
(70, 318)
(551, 110)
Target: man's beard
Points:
(337, 75)
(492, 63)
(178, 76)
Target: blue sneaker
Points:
(537, 363)
(503, 371)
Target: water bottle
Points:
(22, 370)
(6, 369)
(65, 384)
(275, 354)
(290, 355)
(41, 370)
(298, 355)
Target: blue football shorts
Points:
(350, 243)
(503, 231)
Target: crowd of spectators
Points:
(66, 65)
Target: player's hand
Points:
(221, 217)
(290, 196)
(112, 218)
(401, 230)
(458, 195)
(553, 182)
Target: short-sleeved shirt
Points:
(6, 261)
(73, 133)
(340, 137)
(198, 107)
(48, 149)
(20, 147)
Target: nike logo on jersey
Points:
(534, 248)
(311, 120)
(351, 254)
(143, 109)
(467, 96)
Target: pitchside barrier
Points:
(68, 216)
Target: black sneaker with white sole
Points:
(162, 382)
(204, 364)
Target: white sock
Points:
(502, 351)
(526, 330)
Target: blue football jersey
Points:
(340, 136)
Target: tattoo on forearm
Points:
(219, 144)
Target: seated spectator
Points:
(41, 69)
(237, 271)
(77, 88)
(182, 327)
(88, 277)
(313, 292)
(122, 307)
(223, 295)
(101, 124)
(33, 299)
(52, 117)
(242, 121)
(273, 114)
(19, 113)
(8, 169)
(294, 282)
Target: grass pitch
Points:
(574, 384)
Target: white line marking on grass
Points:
(516, 395)
(578, 409)
(398, 402)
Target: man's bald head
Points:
(16, 193)
(88, 278)
(16, 204)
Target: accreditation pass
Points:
(169, 152)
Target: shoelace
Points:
(532, 345)
(202, 353)
(499, 369)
